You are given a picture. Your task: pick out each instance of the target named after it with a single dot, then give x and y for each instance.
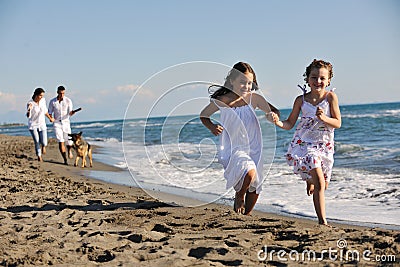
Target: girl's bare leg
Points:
(251, 199)
(319, 194)
(239, 206)
(310, 187)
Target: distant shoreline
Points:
(15, 124)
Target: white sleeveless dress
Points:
(240, 146)
(312, 145)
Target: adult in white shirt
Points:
(60, 108)
(36, 112)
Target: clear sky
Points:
(103, 50)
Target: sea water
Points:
(178, 155)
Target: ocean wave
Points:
(168, 123)
(135, 123)
(164, 122)
(393, 112)
(341, 148)
(105, 140)
(375, 115)
(94, 125)
(122, 165)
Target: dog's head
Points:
(76, 138)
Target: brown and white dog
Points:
(82, 148)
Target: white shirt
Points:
(60, 110)
(37, 119)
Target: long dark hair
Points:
(239, 68)
(37, 92)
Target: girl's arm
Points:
(205, 118)
(292, 119)
(263, 104)
(335, 120)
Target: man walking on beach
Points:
(60, 108)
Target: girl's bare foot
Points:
(326, 224)
(310, 188)
(238, 205)
(43, 150)
(40, 158)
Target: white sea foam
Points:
(136, 123)
(375, 114)
(103, 140)
(352, 195)
(94, 125)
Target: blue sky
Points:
(102, 51)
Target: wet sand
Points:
(51, 214)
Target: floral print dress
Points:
(312, 145)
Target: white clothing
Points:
(61, 131)
(60, 111)
(37, 119)
(240, 146)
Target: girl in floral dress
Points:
(311, 150)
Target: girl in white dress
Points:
(36, 112)
(311, 149)
(240, 150)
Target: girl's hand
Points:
(216, 129)
(273, 117)
(320, 114)
(270, 116)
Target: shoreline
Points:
(189, 201)
(56, 214)
(184, 201)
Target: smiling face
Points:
(38, 97)
(318, 79)
(242, 84)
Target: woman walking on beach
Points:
(36, 112)
(240, 150)
(311, 150)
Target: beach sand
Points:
(51, 214)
